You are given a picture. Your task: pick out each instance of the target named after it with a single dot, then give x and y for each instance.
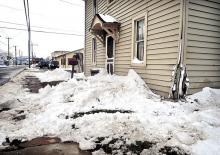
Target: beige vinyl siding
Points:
(162, 39)
(100, 55)
(203, 44)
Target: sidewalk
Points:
(44, 146)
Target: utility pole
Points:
(8, 47)
(27, 15)
(15, 55)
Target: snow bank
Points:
(54, 75)
(137, 61)
(3, 66)
(207, 96)
(107, 18)
(193, 126)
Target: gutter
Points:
(84, 56)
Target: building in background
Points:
(63, 58)
(57, 53)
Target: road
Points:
(8, 72)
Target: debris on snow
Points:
(148, 125)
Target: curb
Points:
(6, 80)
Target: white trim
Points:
(139, 17)
(106, 56)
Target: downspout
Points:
(180, 80)
(84, 55)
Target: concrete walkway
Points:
(51, 149)
(43, 146)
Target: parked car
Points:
(53, 64)
(43, 64)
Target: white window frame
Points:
(106, 55)
(94, 52)
(133, 50)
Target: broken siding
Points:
(162, 39)
(203, 40)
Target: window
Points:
(94, 7)
(139, 40)
(63, 61)
(94, 50)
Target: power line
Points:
(16, 9)
(9, 7)
(41, 31)
(3, 42)
(71, 3)
(13, 23)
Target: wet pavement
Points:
(6, 73)
(43, 146)
(34, 84)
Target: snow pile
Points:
(207, 96)
(55, 75)
(107, 18)
(137, 61)
(3, 66)
(108, 108)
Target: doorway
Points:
(110, 54)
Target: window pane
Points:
(94, 47)
(140, 30)
(110, 46)
(140, 51)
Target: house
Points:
(57, 53)
(63, 58)
(166, 42)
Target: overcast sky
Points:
(65, 16)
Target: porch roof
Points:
(103, 25)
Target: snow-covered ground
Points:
(105, 108)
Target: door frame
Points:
(106, 54)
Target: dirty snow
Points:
(193, 126)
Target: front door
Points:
(110, 52)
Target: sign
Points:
(72, 61)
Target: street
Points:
(8, 72)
